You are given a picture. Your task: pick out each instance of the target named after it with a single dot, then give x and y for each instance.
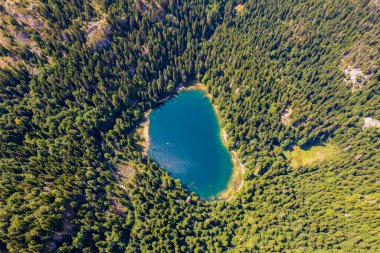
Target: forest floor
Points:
(300, 157)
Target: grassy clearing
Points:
(300, 157)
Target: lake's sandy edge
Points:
(145, 132)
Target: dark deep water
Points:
(185, 140)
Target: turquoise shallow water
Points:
(185, 140)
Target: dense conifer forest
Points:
(77, 77)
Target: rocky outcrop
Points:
(370, 122)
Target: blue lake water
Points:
(185, 140)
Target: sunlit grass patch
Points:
(300, 157)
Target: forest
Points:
(77, 77)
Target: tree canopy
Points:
(77, 77)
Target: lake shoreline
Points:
(144, 124)
(236, 180)
(145, 132)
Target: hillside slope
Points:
(78, 76)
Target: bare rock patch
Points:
(356, 77)
(285, 116)
(239, 8)
(97, 33)
(370, 122)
